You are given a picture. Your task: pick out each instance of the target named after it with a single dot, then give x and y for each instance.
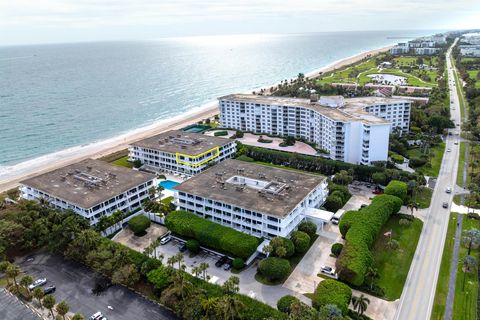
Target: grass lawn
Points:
(349, 73)
(465, 301)
(393, 265)
(123, 162)
(441, 292)
(411, 78)
(423, 197)
(473, 75)
(412, 60)
(436, 155)
(461, 161)
(275, 165)
(460, 93)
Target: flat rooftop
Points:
(88, 183)
(353, 110)
(182, 142)
(255, 187)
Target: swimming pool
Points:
(168, 184)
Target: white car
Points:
(37, 283)
(165, 240)
(448, 150)
(448, 190)
(328, 270)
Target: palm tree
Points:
(25, 282)
(62, 309)
(360, 304)
(412, 206)
(49, 303)
(171, 261)
(179, 259)
(203, 268)
(13, 271)
(372, 274)
(471, 238)
(38, 294)
(3, 269)
(78, 316)
(211, 307)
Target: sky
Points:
(56, 21)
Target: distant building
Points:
(353, 130)
(401, 48)
(91, 188)
(385, 65)
(470, 50)
(426, 51)
(259, 200)
(181, 152)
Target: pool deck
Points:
(169, 193)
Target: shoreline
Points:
(12, 175)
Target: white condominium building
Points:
(352, 130)
(259, 200)
(181, 152)
(91, 188)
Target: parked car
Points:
(49, 289)
(445, 205)
(220, 262)
(327, 270)
(377, 191)
(456, 142)
(183, 247)
(37, 283)
(165, 240)
(448, 150)
(448, 190)
(227, 266)
(97, 316)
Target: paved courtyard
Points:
(129, 239)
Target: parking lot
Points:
(12, 309)
(74, 284)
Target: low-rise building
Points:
(181, 152)
(91, 188)
(470, 50)
(259, 200)
(354, 130)
(401, 48)
(427, 51)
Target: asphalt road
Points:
(419, 292)
(74, 283)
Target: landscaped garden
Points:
(434, 159)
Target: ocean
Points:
(59, 96)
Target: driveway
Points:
(74, 283)
(129, 239)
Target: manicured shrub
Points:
(308, 227)
(334, 292)
(397, 188)
(397, 158)
(274, 268)
(139, 224)
(333, 203)
(211, 234)
(360, 230)
(379, 178)
(193, 246)
(281, 247)
(285, 302)
(336, 249)
(220, 133)
(245, 158)
(416, 162)
(301, 241)
(238, 263)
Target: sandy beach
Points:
(13, 175)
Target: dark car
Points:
(221, 261)
(49, 290)
(445, 205)
(183, 247)
(228, 265)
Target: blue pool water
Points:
(168, 184)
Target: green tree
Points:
(3, 269)
(412, 206)
(471, 239)
(126, 275)
(139, 224)
(38, 294)
(13, 271)
(25, 281)
(469, 265)
(301, 241)
(371, 275)
(78, 316)
(230, 305)
(62, 309)
(360, 304)
(49, 302)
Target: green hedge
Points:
(325, 166)
(211, 234)
(360, 230)
(139, 224)
(301, 241)
(220, 133)
(397, 188)
(308, 227)
(274, 268)
(397, 158)
(285, 302)
(336, 249)
(334, 292)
